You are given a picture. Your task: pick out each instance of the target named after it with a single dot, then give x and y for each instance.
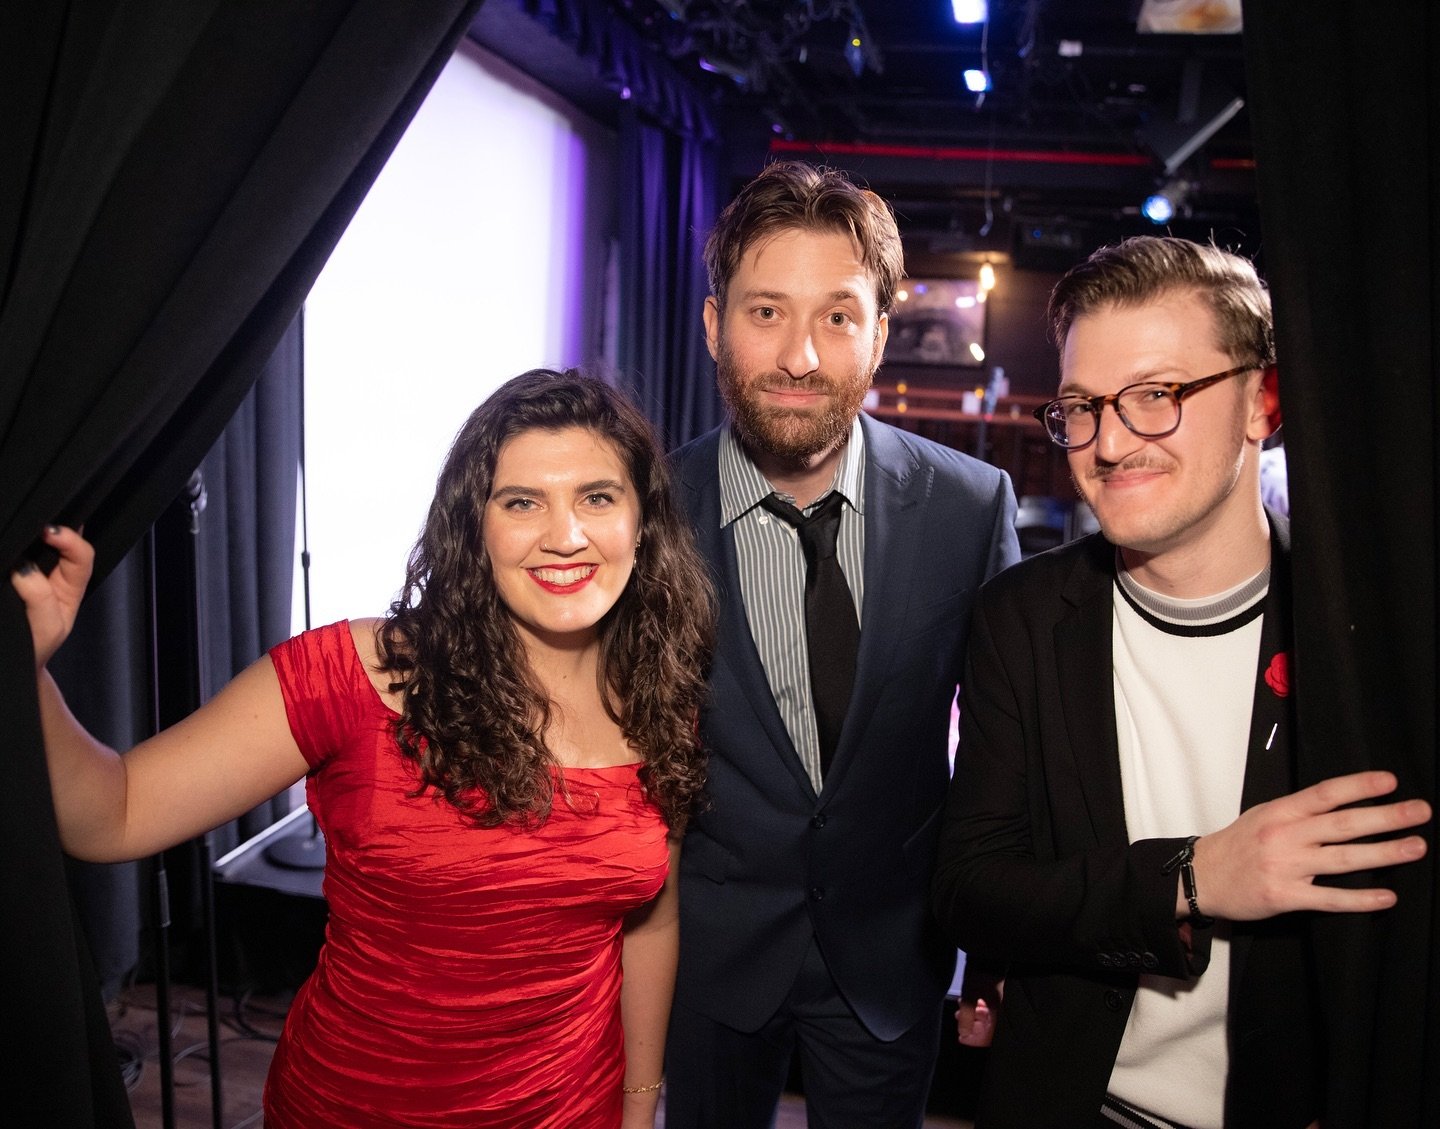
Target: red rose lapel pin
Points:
(1277, 675)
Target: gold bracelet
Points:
(650, 1089)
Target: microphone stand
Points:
(296, 852)
(175, 536)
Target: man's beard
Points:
(788, 433)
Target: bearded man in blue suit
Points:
(804, 921)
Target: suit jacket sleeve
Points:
(1021, 876)
(1004, 541)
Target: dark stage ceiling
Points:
(1085, 117)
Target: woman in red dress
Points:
(502, 768)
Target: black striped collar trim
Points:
(1246, 602)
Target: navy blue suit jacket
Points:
(770, 863)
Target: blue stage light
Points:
(977, 81)
(1158, 208)
(1165, 202)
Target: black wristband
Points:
(1185, 860)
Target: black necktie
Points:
(831, 632)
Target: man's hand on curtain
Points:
(52, 601)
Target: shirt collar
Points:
(1202, 611)
(742, 486)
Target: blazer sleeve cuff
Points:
(1179, 948)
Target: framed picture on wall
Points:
(937, 321)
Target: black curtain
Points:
(246, 539)
(1345, 103)
(242, 571)
(667, 209)
(173, 174)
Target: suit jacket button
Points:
(817, 893)
(1149, 961)
(1104, 959)
(1132, 960)
(1114, 999)
(818, 821)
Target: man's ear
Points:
(712, 326)
(1270, 397)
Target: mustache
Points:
(779, 382)
(1099, 472)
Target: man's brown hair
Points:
(792, 194)
(1146, 267)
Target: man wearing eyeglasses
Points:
(1125, 828)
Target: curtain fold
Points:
(669, 161)
(173, 175)
(1345, 106)
(236, 572)
(664, 219)
(246, 540)
(243, 572)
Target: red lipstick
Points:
(563, 581)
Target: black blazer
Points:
(771, 863)
(1035, 869)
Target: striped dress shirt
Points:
(772, 576)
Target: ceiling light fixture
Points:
(977, 79)
(970, 11)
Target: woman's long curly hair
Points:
(474, 717)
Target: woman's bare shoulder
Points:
(365, 632)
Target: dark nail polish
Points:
(26, 568)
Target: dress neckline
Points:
(630, 765)
(380, 701)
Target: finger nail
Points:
(26, 568)
(52, 530)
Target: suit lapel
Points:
(1269, 769)
(1269, 760)
(736, 657)
(1083, 659)
(896, 488)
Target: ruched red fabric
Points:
(469, 977)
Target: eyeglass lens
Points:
(1147, 409)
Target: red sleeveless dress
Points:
(469, 977)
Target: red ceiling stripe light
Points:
(957, 153)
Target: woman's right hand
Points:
(52, 602)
